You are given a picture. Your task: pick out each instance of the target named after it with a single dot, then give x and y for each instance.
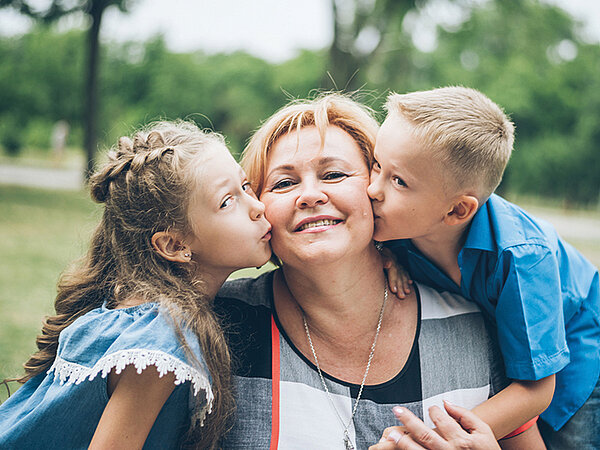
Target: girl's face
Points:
(316, 198)
(228, 221)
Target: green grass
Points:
(42, 232)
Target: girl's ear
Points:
(170, 246)
(463, 210)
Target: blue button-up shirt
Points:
(541, 292)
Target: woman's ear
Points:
(170, 246)
(463, 210)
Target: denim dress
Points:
(61, 408)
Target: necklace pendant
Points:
(347, 442)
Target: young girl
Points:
(134, 339)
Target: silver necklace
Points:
(347, 441)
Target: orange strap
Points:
(274, 385)
(526, 426)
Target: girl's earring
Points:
(187, 255)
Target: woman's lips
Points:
(316, 224)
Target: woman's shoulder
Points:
(436, 304)
(253, 291)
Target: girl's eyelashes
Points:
(226, 202)
(246, 186)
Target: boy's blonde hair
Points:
(469, 133)
(327, 109)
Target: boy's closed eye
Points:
(399, 181)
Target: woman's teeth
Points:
(318, 223)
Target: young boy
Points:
(440, 156)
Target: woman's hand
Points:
(398, 278)
(459, 429)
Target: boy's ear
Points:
(463, 210)
(170, 246)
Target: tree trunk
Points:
(91, 86)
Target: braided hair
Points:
(145, 187)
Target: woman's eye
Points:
(282, 184)
(226, 202)
(246, 186)
(334, 175)
(376, 165)
(399, 181)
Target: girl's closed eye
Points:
(227, 202)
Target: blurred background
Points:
(77, 74)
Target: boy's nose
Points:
(373, 190)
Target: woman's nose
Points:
(311, 195)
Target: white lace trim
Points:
(72, 373)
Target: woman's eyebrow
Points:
(329, 159)
(281, 168)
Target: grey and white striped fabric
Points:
(453, 358)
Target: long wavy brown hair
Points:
(145, 188)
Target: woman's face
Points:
(315, 198)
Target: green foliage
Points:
(525, 55)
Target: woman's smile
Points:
(317, 224)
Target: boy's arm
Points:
(531, 439)
(515, 405)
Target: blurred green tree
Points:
(361, 28)
(94, 10)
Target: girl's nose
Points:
(257, 209)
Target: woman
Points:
(322, 351)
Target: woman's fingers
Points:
(467, 419)
(446, 426)
(449, 434)
(394, 438)
(418, 431)
(477, 435)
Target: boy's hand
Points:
(461, 429)
(398, 278)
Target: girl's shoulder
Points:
(105, 339)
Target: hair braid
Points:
(144, 187)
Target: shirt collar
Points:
(480, 235)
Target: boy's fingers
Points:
(419, 432)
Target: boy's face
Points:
(407, 185)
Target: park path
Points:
(582, 229)
(41, 177)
